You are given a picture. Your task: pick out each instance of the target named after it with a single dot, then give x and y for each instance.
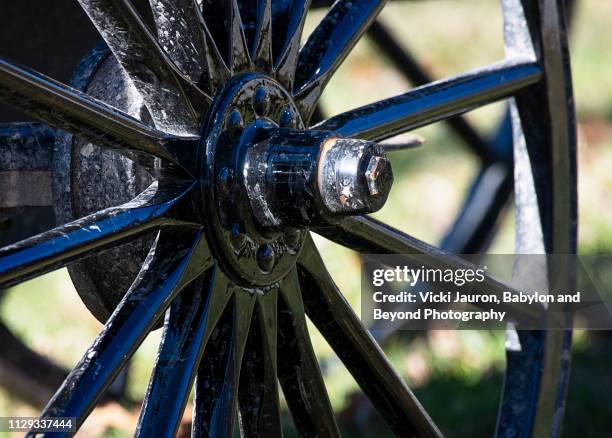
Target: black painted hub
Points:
(244, 114)
(266, 178)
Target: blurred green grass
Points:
(457, 375)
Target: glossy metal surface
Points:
(261, 43)
(189, 324)
(258, 390)
(302, 178)
(285, 62)
(218, 379)
(369, 236)
(187, 53)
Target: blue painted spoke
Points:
(214, 68)
(478, 219)
(434, 102)
(193, 315)
(93, 120)
(173, 262)
(223, 20)
(404, 61)
(328, 46)
(78, 239)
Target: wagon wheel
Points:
(227, 98)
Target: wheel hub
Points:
(266, 179)
(246, 112)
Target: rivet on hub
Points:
(287, 118)
(261, 101)
(237, 237)
(265, 257)
(224, 178)
(235, 124)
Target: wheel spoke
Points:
(436, 101)
(212, 10)
(249, 15)
(405, 62)
(68, 109)
(173, 100)
(258, 390)
(173, 262)
(261, 50)
(298, 370)
(328, 46)
(216, 398)
(369, 236)
(179, 32)
(240, 59)
(341, 327)
(227, 32)
(487, 198)
(190, 321)
(216, 68)
(286, 62)
(78, 239)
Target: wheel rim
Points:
(213, 314)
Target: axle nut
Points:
(354, 176)
(377, 175)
